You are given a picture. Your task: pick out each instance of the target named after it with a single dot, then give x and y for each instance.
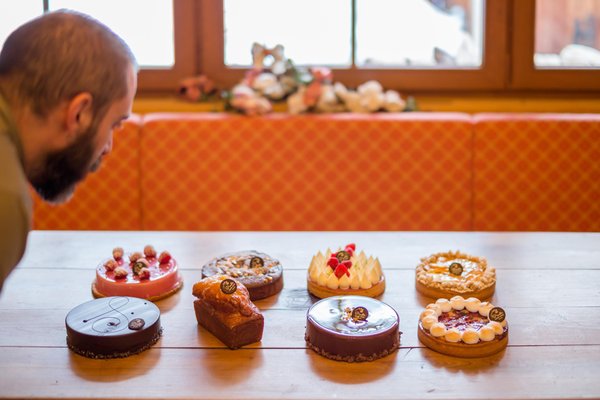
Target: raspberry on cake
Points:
(345, 272)
(463, 327)
(144, 277)
(455, 273)
(224, 308)
(260, 273)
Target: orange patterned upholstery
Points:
(410, 171)
(537, 172)
(407, 171)
(106, 200)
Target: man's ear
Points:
(79, 113)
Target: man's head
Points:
(77, 79)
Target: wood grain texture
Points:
(549, 285)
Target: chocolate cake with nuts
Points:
(260, 273)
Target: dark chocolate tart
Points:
(113, 327)
(260, 273)
(352, 328)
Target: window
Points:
(12, 16)
(160, 33)
(365, 39)
(327, 42)
(567, 34)
(399, 34)
(415, 46)
(148, 33)
(542, 30)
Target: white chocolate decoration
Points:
(363, 274)
(430, 320)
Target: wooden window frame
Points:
(186, 58)
(492, 74)
(525, 75)
(507, 65)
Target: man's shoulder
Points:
(13, 182)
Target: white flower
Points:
(295, 102)
(393, 102)
(328, 102)
(263, 81)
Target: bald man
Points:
(66, 82)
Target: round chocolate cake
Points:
(352, 328)
(113, 327)
(260, 273)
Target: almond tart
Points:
(455, 273)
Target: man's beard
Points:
(56, 179)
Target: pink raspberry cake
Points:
(144, 275)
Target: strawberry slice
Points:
(347, 264)
(340, 270)
(333, 262)
(352, 246)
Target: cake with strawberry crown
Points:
(345, 272)
(146, 275)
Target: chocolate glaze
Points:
(331, 331)
(233, 331)
(113, 327)
(259, 286)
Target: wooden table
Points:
(549, 284)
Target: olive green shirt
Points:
(15, 199)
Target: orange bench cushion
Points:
(537, 172)
(106, 200)
(331, 172)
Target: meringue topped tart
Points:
(144, 275)
(345, 272)
(455, 273)
(463, 327)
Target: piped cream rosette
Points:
(364, 276)
(430, 320)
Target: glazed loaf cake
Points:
(224, 308)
